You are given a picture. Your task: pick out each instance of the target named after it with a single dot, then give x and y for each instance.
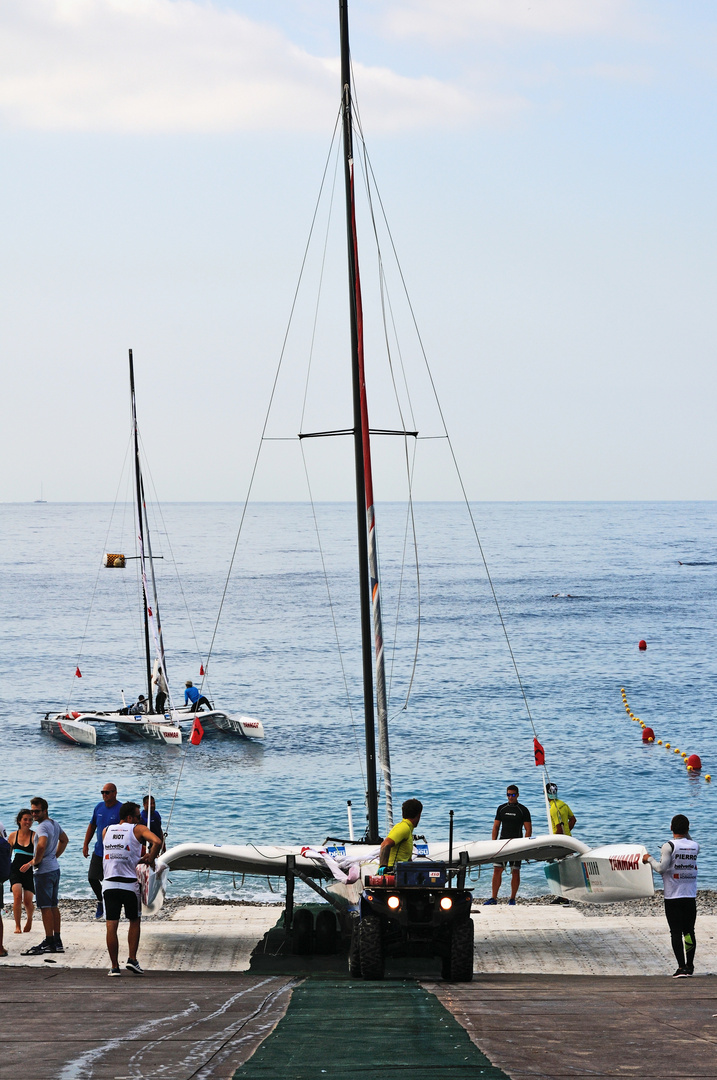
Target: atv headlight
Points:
(446, 903)
(394, 902)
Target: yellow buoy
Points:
(689, 768)
(650, 740)
(667, 746)
(676, 750)
(684, 753)
(708, 777)
(659, 742)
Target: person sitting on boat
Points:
(398, 845)
(562, 818)
(141, 705)
(193, 698)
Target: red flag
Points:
(539, 753)
(197, 731)
(201, 669)
(78, 673)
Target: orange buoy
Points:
(642, 645)
(694, 762)
(647, 734)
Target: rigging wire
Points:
(306, 467)
(385, 299)
(261, 440)
(333, 617)
(455, 460)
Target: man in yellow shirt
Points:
(398, 845)
(561, 816)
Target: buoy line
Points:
(693, 762)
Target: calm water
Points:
(465, 733)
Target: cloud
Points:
(461, 19)
(188, 66)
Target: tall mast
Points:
(140, 531)
(365, 518)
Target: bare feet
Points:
(28, 925)
(18, 930)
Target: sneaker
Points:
(39, 950)
(681, 973)
(59, 947)
(486, 903)
(114, 972)
(133, 965)
(100, 913)
(512, 903)
(689, 972)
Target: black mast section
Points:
(372, 835)
(140, 526)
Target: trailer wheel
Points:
(461, 961)
(302, 933)
(325, 933)
(371, 948)
(355, 951)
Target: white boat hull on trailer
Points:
(596, 876)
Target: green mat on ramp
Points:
(342, 1029)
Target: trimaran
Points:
(604, 874)
(80, 728)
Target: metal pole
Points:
(372, 835)
(138, 492)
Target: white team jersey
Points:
(122, 852)
(680, 879)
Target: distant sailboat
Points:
(42, 498)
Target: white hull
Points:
(78, 729)
(69, 730)
(603, 875)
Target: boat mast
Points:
(372, 834)
(140, 532)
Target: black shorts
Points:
(26, 879)
(116, 899)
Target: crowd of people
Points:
(123, 842)
(126, 836)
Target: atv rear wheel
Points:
(461, 957)
(355, 951)
(371, 948)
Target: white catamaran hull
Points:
(70, 730)
(78, 729)
(597, 876)
(602, 875)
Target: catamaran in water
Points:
(148, 718)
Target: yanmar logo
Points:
(625, 862)
(171, 734)
(249, 723)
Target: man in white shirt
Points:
(678, 867)
(123, 847)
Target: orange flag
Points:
(78, 673)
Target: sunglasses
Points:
(512, 794)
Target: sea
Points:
(578, 585)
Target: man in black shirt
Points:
(510, 818)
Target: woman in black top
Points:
(22, 842)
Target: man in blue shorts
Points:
(124, 846)
(50, 842)
(511, 818)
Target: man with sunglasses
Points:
(104, 814)
(511, 818)
(50, 842)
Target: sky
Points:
(547, 169)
